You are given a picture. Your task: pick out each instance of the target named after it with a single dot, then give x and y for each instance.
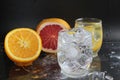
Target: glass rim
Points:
(88, 20)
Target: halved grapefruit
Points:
(48, 30)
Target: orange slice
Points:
(48, 30)
(22, 46)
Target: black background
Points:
(28, 13)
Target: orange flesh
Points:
(21, 45)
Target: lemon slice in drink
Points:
(96, 43)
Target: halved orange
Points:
(48, 30)
(23, 46)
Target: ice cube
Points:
(64, 37)
(67, 66)
(82, 36)
(71, 52)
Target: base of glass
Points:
(75, 75)
(95, 54)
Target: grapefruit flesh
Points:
(49, 39)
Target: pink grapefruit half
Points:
(48, 31)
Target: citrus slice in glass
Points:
(96, 43)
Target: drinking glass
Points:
(94, 26)
(74, 52)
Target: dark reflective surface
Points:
(46, 66)
(110, 59)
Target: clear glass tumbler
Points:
(94, 26)
(75, 52)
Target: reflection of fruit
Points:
(48, 30)
(22, 46)
(96, 43)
